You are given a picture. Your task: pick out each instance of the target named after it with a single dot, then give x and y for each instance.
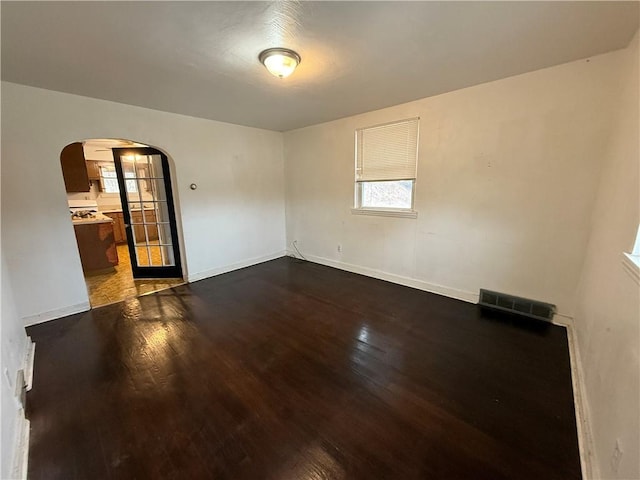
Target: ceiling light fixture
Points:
(280, 62)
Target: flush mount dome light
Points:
(280, 62)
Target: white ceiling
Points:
(200, 58)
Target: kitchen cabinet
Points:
(74, 168)
(93, 170)
(96, 245)
(78, 172)
(119, 233)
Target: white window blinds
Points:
(387, 152)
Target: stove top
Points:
(83, 214)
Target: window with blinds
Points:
(386, 165)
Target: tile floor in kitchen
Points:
(110, 287)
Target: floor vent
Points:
(517, 305)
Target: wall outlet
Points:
(339, 248)
(297, 253)
(616, 457)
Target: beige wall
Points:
(608, 314)
(234, 218)
(507, 176)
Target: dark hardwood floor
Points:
(295, 371)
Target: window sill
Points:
(385, 212)
(631, 264)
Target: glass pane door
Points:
(147, 204)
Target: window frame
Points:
(107, 168)
(358, 208)
(103, 184)
(385, 211)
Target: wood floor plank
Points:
(293, 370)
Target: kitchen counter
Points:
(99, 218)
(119, 210)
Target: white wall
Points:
(507, 177)
(14, 344)
(608, 314)
(235, 217)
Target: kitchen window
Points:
(109, 180)
(386, 165)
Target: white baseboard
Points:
(585, 436)
(393, 278)
(19, 467)
(57, 313)
(466, 296)
(234, 266)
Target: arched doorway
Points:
(125, 222)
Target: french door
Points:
(149, 216)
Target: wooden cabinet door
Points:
(118, 227)
(74, 168)
(96, 246)
(93, 170)
(122, 234)
(123, 231)
(106, 236)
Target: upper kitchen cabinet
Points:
(74, 168)
(93, 170)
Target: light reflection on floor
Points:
(118, 285)
(312, 463)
